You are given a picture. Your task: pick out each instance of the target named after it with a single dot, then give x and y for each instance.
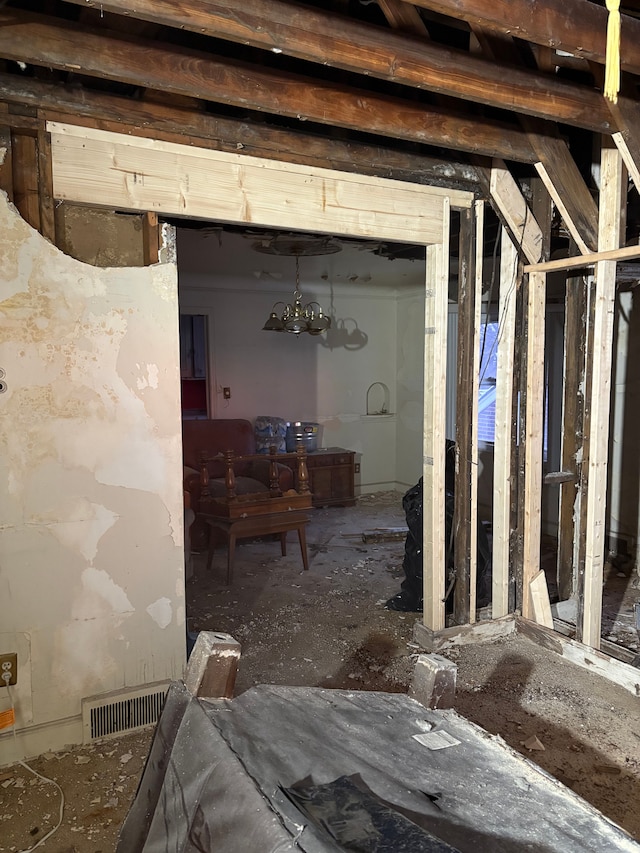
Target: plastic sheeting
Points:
(221, 774)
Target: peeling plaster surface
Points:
(91, 535)
(160, 612)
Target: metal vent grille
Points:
(107, 716)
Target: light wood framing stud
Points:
(435, 378)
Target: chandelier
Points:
(296, 317)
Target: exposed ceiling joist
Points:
(555, 165)
(361, 48)
(146, 118)
(575, 26)
(46, 42)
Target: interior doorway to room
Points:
(369, 289)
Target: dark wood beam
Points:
(462, 519)
(172, 124)
(49, 43)
(576, 26)
(328, 39)
(555, 163)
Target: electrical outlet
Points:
(226, 393)
(356, 468)
(8, 664)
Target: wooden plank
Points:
(475, 392)
(518, 456)
(540, 604)
(6, 161)
(517, 216)
(150, 238)
(384, 534)
(575, 325)
(487, 631)
(131, 173)
(555, 162)
(193, 127)
(583, 261)
(612, 192)
(573, 26)
(403, 16)
(502, 475)
(25, 178)
(580, 535)
(198, 75)
(566, 186)
(534, 424)
(212, 666)
(577, 653)
(626, 113)
(567, 629)
(631, 156)
(330, 40)
(462, 521)
(435, 380)
(45, 187)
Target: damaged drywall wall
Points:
(91, 539)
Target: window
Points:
(193, 365)
(488, 374)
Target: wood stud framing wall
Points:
(62, 161)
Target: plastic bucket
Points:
(302, 432)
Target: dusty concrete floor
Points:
(327, 627)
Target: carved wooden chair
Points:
(272, 511)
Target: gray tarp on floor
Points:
(217, 776)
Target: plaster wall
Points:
(91, 542)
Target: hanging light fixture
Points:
(295, 317)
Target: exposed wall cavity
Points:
(91, 539)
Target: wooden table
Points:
(243, 519)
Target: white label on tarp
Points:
(436, 740)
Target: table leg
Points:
(302, 537)
(283, 543)
(212, 547)
(230, 554)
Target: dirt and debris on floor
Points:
(328, 627)
(98, 781)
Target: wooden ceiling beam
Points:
(361, 48)
(172, 124)
(46, 42)
(556, 166)
(575, 26)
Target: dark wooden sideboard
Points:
(331, 476)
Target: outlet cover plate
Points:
(9, 663)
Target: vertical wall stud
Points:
(435, 381)
(462, 522)
(503, 426)
(613, 179)
(534, 434)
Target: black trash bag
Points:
(409, 599)
(358, 821)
